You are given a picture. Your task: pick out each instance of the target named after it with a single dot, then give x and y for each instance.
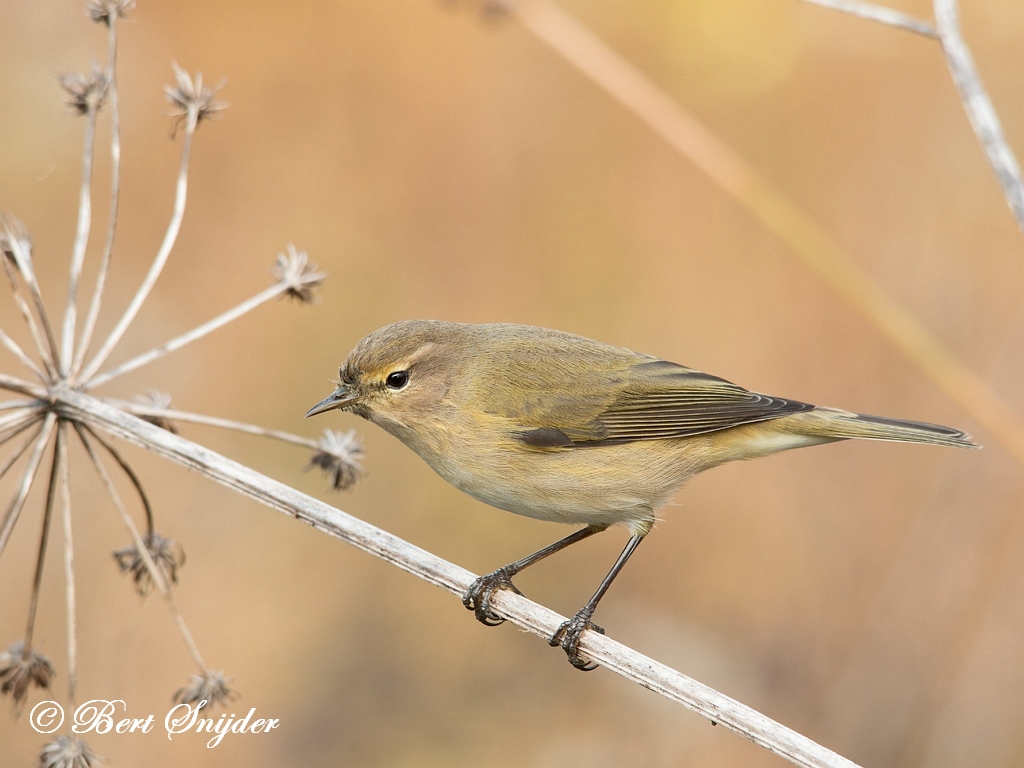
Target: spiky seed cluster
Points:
(300, 274)
(191, 97)
(67, 752)
(339, 457)
(103, 11)
(85, 93)
(211, 687)
(167, 554)
(155, 399)
(18, 670)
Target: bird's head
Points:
(398, 376)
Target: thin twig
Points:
(81, 242)
(14, 384)
(26, 313)
(154, 572)
(26, 482)
(196, 333)
(19, 353)
(978, 106)
(213, 421)
(170, 237)
(51, 494)
(8, 405)
(126, 467)
(28, 272)
(879, 13)
(61, 450)
(516, 608)
(13, 458)
(115, 186)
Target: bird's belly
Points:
(607, 485)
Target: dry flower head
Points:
(18, 670)
(300, 274)
(211, 687)
(104, 11)
(192, 100)
(167, 555)
(67, 752)
(85, 93)
(339, 456)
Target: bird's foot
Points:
(478, 596)
(568, 636)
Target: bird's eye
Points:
(397, 380)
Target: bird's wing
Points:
(657, 400)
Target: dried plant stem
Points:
(13, 384)
(51, 494)
(181, 192)
(26, 313)
(14, 510)
(154, 572)
(881, 14)
(212, 421)
(19, 353)
(29, 274)
(81, 242)
(978, 106)
(808, 240)
(13, 458)
(8, 405)
(196, 333)
(61, 451)
(516, 608)
(126, 467)
(115, 186)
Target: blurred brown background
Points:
(442, 167)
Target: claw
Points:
(568, 636)
(478, 596)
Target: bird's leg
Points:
(568, 635)
(478, 596)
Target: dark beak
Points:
(338, 399)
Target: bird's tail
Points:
(837, 424)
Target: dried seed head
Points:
(193, 102)
(19, 669)
(339, 457)
(299, 273)
(14, 237)
(85, 93)
(211, 687)
(102, 11)
(167, 555)
(67, 752)
(154, 399)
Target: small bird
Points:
(560, 427)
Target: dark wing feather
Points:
(658, 400)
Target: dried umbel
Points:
(67, 752)
(339, 456)
(295, 270)
(211, 687)
(167, 554)
(192, 100)
(106, 11)
(19, 670)
(85, 93)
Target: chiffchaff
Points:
(559, 427)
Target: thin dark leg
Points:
(478, 596)
(568, 635)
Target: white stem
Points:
(27, 271)
(61, 451)
(516, 608)
(19, 353)
(26, 482)
(81, 243)
(197, 333)
(26, 313)
(115, 186)
(20, 449)
(161, 257)
(879, 13)
(139, 409)
(22, 387)
(154, 572)
(978, 106)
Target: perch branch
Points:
(518, 609)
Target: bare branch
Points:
(115, 187)
(170, 237)
(979, 107)
(14, 510)
(879, 13)
(196, 333)
(516, 608)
